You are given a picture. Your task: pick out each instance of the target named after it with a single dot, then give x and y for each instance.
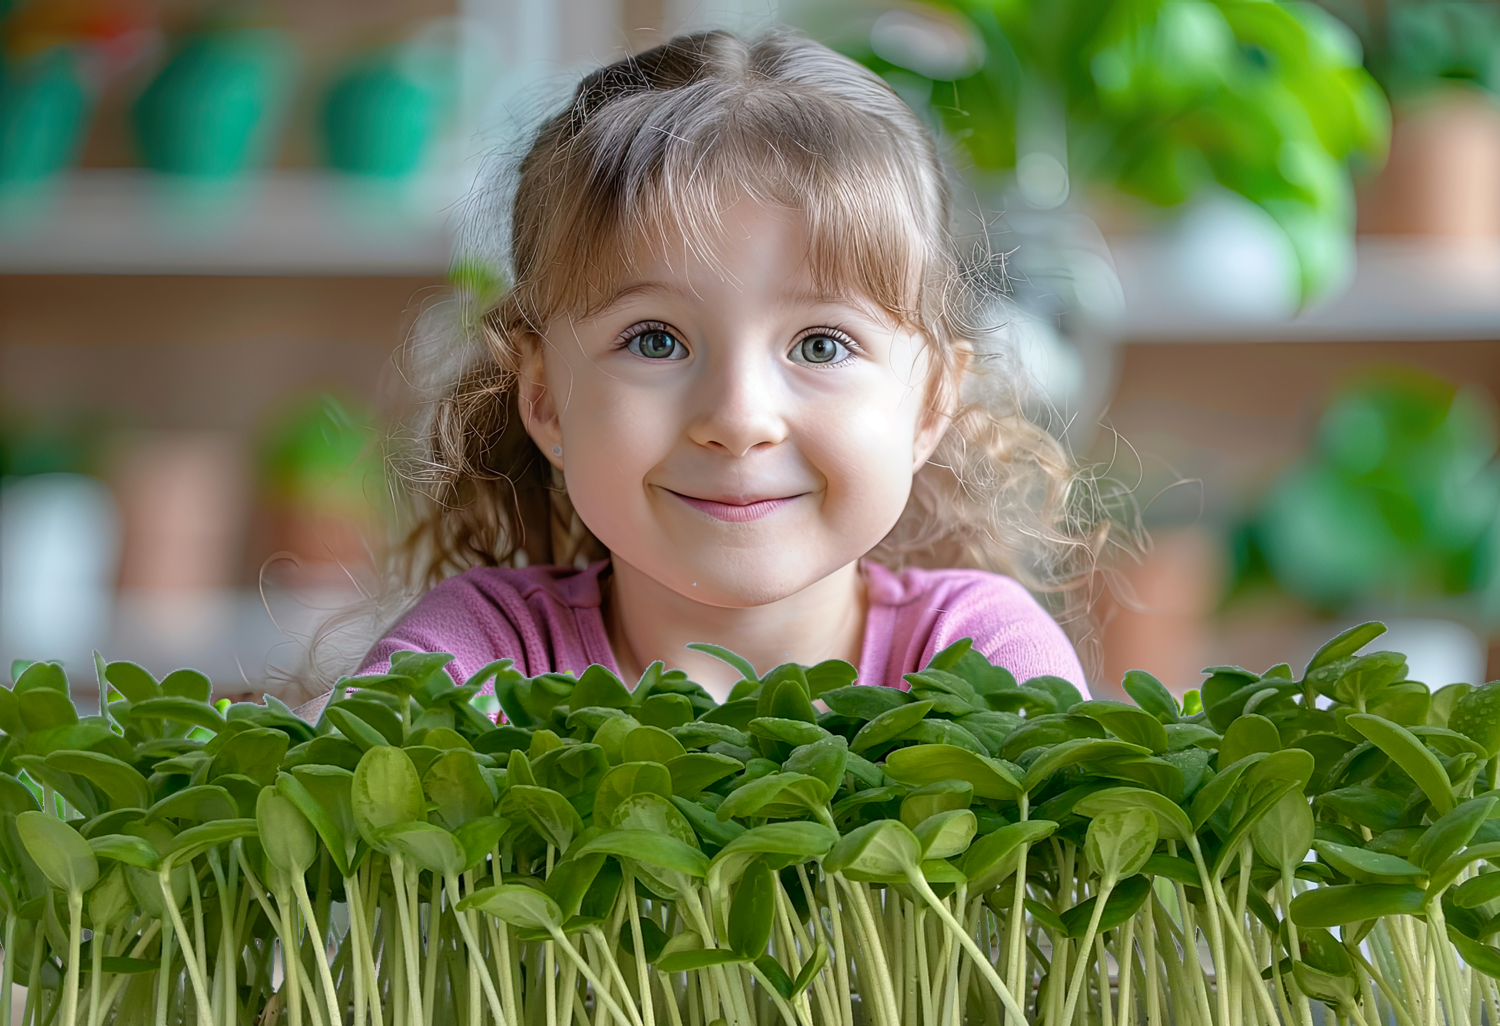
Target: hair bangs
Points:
(654, 178)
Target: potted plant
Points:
(1438, 61)
(1156, 101)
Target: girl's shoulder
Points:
(916, 613)
(560, 585)
(545, 618)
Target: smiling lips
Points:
(736, 512)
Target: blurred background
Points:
(1253, 251)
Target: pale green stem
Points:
(200, 988)
(75, 942)
(8, 971)
(840, 950)
(643, 972)
(600, 991)
(320, 950)
(1080, 969)
(1215, 931)
(466, 929)
(408, 940)
(96, 973)
(434, 942)
(982, 963)
(163, 977)
(1125, 958)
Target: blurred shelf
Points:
(272, 223)
(1403, 289)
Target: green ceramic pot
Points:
(212, 109)
(378, 120)
(44, 109)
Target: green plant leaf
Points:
(1476, 714)
(123, 848)
(355, 729)
(884, 851)
(1126, 722)
(946, 834)
(1071, 753)
(1350, 903)
(520, 906)
(928, 764)
(797, 841)
(1406, 751)
(121, 782)
(1477, 890)
(750, 799)
(1151, 695)
(479, 837)
(457, 789)
(1483, 957)
(426, 845)
(889, 725)
(201, 804)
(694, 771)
(1345, 644)
(598, 686)
(1452, 832)
(59, 849)
(286, 836)
(1118, 843)
(131, 681)
(649, 848)
(1367, 806)
(570, 881)
(178, 710)
(1285, 833)
(549, 813)
(194, 841)
(1213, 794)
(386, 790)
(994, 856)
(752, 912)
(324, 795)
(1364, 866)
(1247, 735)
(792, 732)
(809, 970)
(739, 663)
(650, 744)
(696, 958)
(1124, 901)
(627, 779)
(1172, 823)
(863, 702)
(829, 675)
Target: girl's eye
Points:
(657, 344)
(819, 349)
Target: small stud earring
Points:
(557, 450)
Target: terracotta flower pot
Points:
(1443, 176)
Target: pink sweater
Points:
(548, 618)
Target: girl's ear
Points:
(535, 401)
(942, 406)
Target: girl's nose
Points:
(737, 405)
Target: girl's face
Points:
(723, 428)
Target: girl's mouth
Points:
(736, 512)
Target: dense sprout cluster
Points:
(972, 850)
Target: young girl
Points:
(735, 394)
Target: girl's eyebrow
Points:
(810, 297)
(631, 289)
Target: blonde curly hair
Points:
(653, 147)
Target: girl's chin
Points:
(756, 586)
